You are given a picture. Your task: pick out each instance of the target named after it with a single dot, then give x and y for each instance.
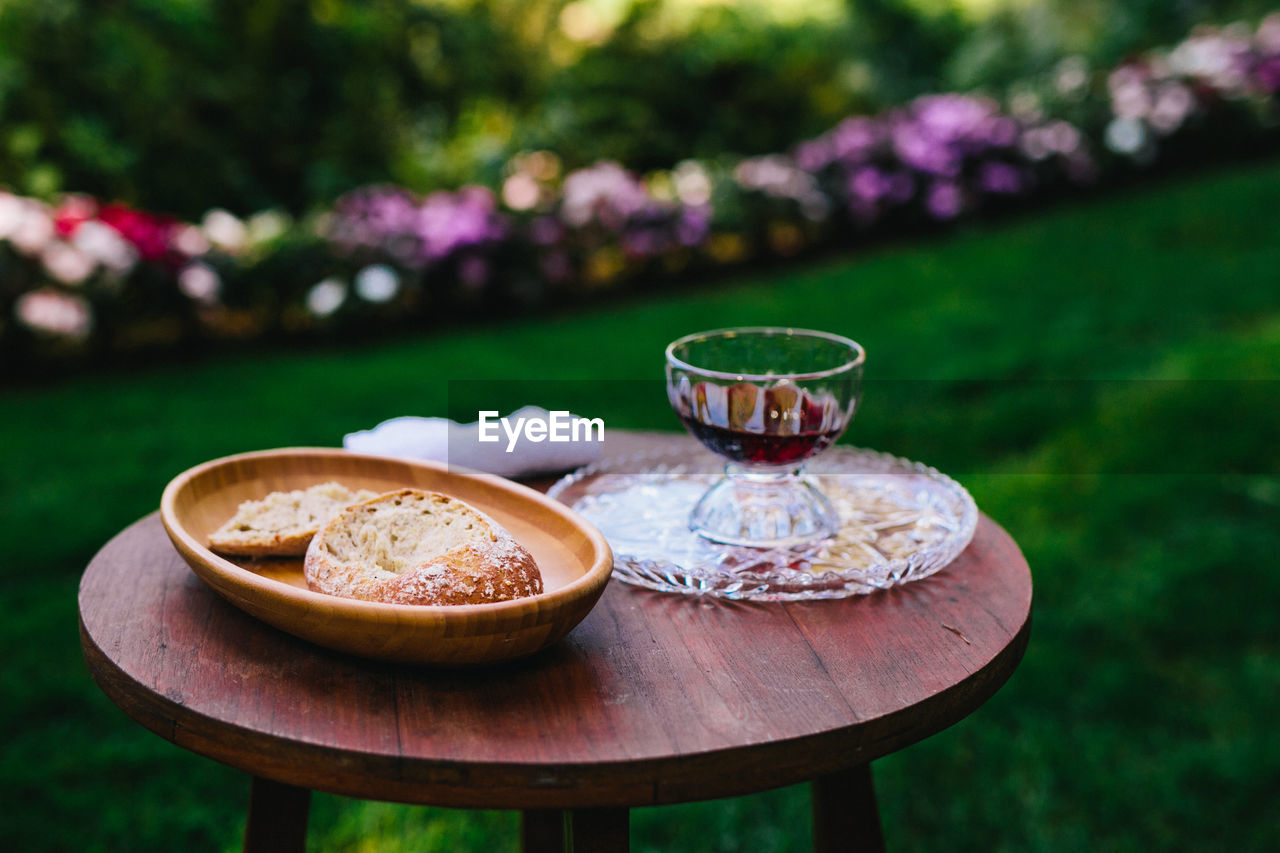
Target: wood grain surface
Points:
(652, 699)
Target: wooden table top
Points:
(652, 699)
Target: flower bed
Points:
(79, 277)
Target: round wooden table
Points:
(653, 699)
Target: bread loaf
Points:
(282, 523)
(418, 547)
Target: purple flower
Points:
(474, 272)
(868, 184)
(854, 139)
(999, 131)
(367, 217)
(643, 243)
(901, 187)
(417, 233)
(937, 132)
(814, 154)
(694, 225)
(1267, 74)
(546, 230)
(1001, 179)
(852, 142)
(948, 117)
(555, 266)
(924, 152)
(447, 222)
(944, 200)
(604, 193)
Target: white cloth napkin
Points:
(443, 440)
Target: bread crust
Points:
(276, 546)
(492, 567)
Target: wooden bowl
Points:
(573, 556)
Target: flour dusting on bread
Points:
(418, 547)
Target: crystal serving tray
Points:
(900, 521)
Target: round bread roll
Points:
(419, 547)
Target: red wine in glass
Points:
(751, 425)
(761, 448)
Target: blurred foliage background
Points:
(1139, 718)
(183, 105)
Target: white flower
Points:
(66, 263)
(1071, 76)
(520, 191)
(200, 282)
(1026, 105)
(776, 176)
(224, 230)
(1173, 104)
(326, 297)
(1130, 93)
(693, 184)
(1268, 36)
(1126, 136)
(104, 245)
(1216, 57)
(1062, 137)
(190, 241)
(1034, 145)
(377, 283)
(57, 313)
(12, 211)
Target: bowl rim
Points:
(596, 575)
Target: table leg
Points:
(600, 830)
(542, 831)
(277, 821)
(845, 816)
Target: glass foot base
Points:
(764, 513)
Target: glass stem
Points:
(764, 478)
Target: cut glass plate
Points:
(900, 521)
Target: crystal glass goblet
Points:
(766, 400)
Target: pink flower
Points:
(66, 263)
(52, 312)
(200, 282)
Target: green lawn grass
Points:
(1103, 378)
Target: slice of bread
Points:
(418, 547)
(282, 523)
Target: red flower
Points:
(71, 211)
(149, 233)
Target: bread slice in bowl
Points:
(418, 547)
(283, 523)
